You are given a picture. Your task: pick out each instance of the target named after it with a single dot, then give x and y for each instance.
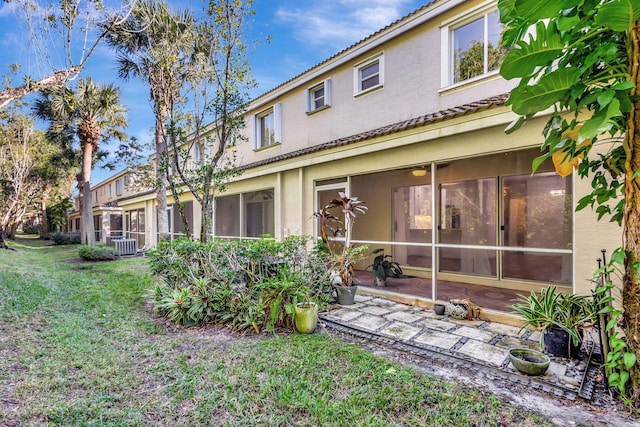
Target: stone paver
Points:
(484, 352)
(403, 316)
(556, 369)
(369, 322)
(439, 325)
(513, 342)
(499, 328)
(375, 309)
(401, 331)
(437, 339)
(382, 302)
(474, 323)
(486, 343)
(535, 337)
(476, 334)
(345, 314)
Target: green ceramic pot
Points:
(530, 362)
(306, 317)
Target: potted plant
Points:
(343, 256)
(561, 318)
(382, 267)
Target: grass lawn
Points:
(77, 347)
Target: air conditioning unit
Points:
(126, 246)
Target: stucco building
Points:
(411, 120)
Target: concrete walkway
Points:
(469, 343)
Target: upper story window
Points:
(118, 187)
(198, 154)
(472, 46)
(268, 127)
(319, 96)
(368, 75)
(110, 190)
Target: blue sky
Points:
(302, 33)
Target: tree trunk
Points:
(162, 165)
(3, 244)
(43, 209)
(206, 230)
(88, 232)
(631, 227)
(13, 94)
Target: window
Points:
(118, 187)
(268, 127)
(473, 47)
(246, 214)
(198, 154)
(110, 195)
(368, 75)
(319, 96)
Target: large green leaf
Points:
(548, 91)
(619, 15)
(539, 9)
(541, 49)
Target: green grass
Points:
(77, 347)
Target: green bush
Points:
(248, 284)
(66, 238)
(97, 253)
(32, 229)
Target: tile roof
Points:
(415, 122)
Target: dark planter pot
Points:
(558, 342)
(346, 294)
(438, 309)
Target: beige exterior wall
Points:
(412, 52)
(412, 87)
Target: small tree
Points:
(223, 82)
(580, 59)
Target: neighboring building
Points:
(411, 120)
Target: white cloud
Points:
(342, 23)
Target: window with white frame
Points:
(118, 187)
(471, 46)
(198, 153)
(319, 96)
(268, 127)
(368, 75)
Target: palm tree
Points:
(92, 113)
(156, 46)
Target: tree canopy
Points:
(577, 61)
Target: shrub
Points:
(248, 284)
(66, 238)
(97, 253)
(32, 229)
